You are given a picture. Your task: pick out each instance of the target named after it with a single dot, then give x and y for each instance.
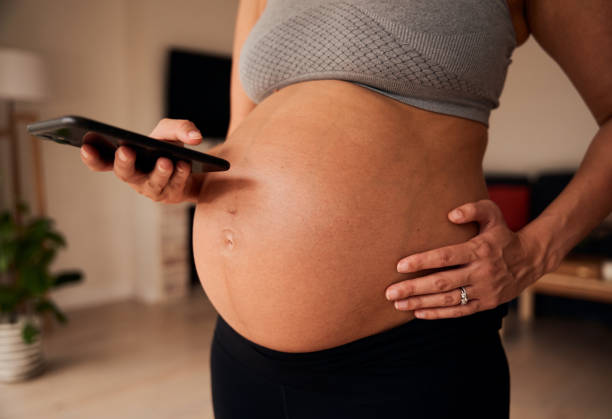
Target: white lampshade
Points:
(21, 75)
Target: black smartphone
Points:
(77, 130)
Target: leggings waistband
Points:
(415, 342)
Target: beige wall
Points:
(154, 26)
(86, 57)
(106, 61)
(542, 123)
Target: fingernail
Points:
(122, 155)
(194, 134)
(401, 267)
(84, 153)
(182, 167)
(419, 315)
(392, 294)
(162, 168)
(457, 214)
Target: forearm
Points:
(581, 206)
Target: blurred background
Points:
(137, 343)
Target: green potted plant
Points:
(27, 249)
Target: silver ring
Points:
(464, 297)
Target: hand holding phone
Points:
(166, 182)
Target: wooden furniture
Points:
(575, 278)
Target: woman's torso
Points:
(296, 244)
(330, 185)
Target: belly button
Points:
(228, 238)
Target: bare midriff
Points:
(330, 185)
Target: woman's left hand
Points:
(493, 268)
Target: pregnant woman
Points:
(344, 285)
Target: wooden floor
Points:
(129, 360)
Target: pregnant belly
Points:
(297, 242)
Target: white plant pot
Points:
(19, 360)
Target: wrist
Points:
(538, 238)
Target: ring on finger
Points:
(464, 296)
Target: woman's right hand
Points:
(166, 182)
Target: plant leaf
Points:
(26, 252)
(39, 224)
(37, 228)
(67, 277)
(9, 297)
(48, 305)
(23, 207)
(56, 238)
(34, 279)
(7, 226)
(47, 256)
(8, 252)
(29, 333)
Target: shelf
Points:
(574, 287)
(563, 284)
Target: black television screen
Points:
(197, 89)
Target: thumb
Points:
(177, 130)
(485, 212)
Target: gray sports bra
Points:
(446, 56)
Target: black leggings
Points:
(422, 369)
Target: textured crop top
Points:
(446, 56)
